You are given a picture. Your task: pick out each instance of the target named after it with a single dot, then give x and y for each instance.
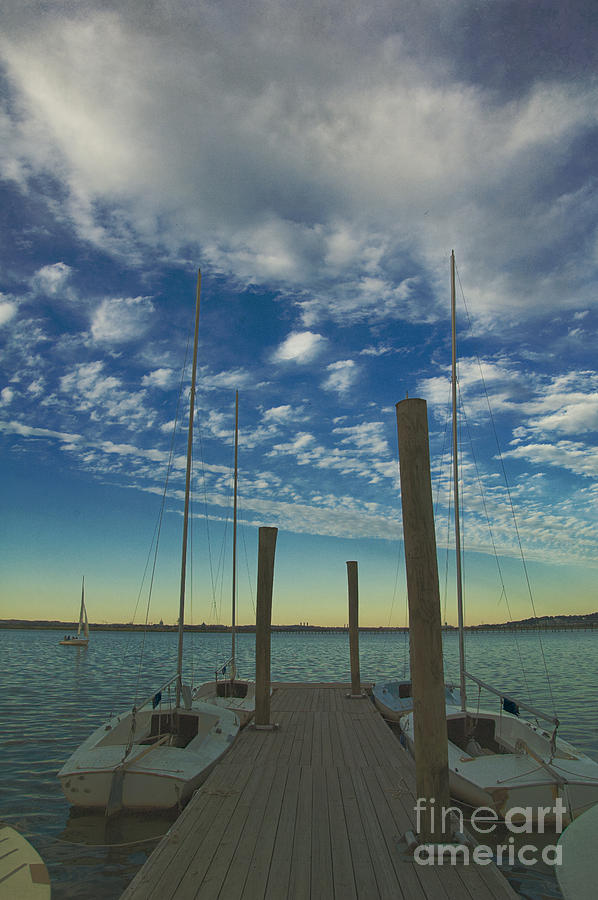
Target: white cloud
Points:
(576, 457)
(278, 413)
(299, 346)
(121, 319)
(8, 310)
(52, 279)
(6, 396)
(160, 378)
(343, 375)
(336, 154)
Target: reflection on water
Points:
(53, 697)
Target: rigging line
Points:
(158, 529)
(512, 507)
(222, 557)
(447, 423)
(205, 498)
(189, 592)
(248, 571)
(394, 593)
(494, 548)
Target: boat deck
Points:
(315, 809)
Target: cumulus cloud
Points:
(299, 346)
(8, 310)
(278, 413)
(342, 375)
(52, 279)
(121, 319)
(160, 378)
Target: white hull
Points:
(509, 765)
(75, 642)
(393, 698)
(23, 873)
(153, 775)
(237, 696)
(578, 873)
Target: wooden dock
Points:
(315, 809)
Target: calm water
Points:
(54, 696)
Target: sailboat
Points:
(231, 692)
(79, 641)
(498, 759)
(156, 754)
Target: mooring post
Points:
(425, 629)
(353, 587)
(263, 620)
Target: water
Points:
(53, 697)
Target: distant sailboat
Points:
(155, 755)
(79, 641)
(232, 693)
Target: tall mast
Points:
(233, 626)
(187, 493)
(456, 488)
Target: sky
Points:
(319, 161)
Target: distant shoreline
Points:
(543, 623)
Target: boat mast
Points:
(233, 671)
(456, 489)
(187, 493)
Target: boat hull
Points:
(510, 765)
(23, 873)
(237, 696)
(154, 774)
(393, 699)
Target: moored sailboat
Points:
(155, 755)
(499, 759)
(230, 692)
(79, 641)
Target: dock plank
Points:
(315, 809)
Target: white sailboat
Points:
(498, 759)
(231, 692)
(155, 755)
(394, 698)
(79, 641)
(23, 873)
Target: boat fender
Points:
(510, 706)
(473, 748)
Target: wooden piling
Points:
(353, 588)
(427, 672)
(265, 580)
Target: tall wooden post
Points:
(353, 588)
(265, 580)
(425, 628)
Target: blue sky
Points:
(319, 161)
